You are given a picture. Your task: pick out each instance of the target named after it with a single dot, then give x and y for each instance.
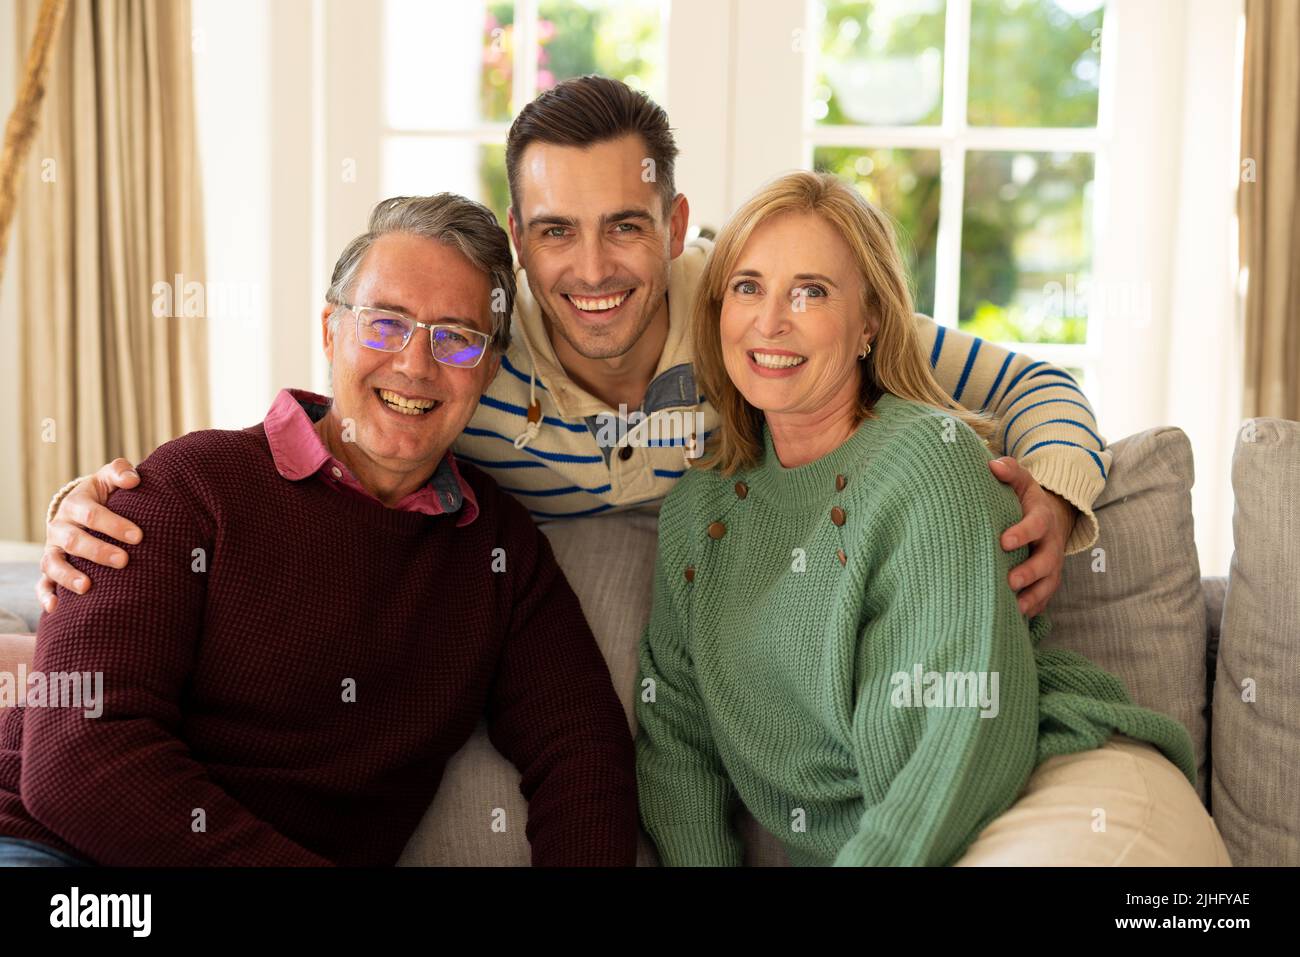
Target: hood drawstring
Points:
(534, 413)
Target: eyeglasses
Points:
(385, 331)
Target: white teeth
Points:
(768, 361)
(596, 305)
(404, 405)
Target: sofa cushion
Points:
(1133, 603)
(609, 562)
(1256, 788)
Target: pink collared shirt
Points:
(299, 453)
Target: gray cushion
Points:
(1142, 618)
(1257, 685)
(609, 562)
(18, 592)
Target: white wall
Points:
(253, 77)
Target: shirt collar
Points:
(299, 453)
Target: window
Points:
(977, 125)
(455, 74)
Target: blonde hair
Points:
(896, 363)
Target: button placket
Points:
(838, 518)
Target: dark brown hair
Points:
(592, 109)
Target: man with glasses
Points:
(325, 605)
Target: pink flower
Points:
(545, 79)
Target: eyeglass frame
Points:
(416, 324)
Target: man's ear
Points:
(678, 220)
(326, 332)
(512, 227)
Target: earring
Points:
(865, 350)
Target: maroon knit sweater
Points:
(225, 690)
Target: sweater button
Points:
(625, 452)
(837, 515)
(690, 573)
(717, 530)
(840, 482)
(741, 490)
(844, 559)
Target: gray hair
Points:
(450, 219)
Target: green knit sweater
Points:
(836, 645)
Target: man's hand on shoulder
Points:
(68, 533)
(1047, 524)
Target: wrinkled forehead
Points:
(424, 279)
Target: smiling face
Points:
(405, 407)
(792, 322)
(592, 235)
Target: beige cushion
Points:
(1133, 604)
(16, 650)
(1257, 684)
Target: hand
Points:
(1048, 521)
(67, 534)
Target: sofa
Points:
(1221, 655)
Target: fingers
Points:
(1010, 472)
(67, 537)
(55, 567)
(118, 473)
(1031, 528)
(45, 593)
(84, 506)
(1033, 601)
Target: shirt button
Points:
(717, 530)
(690, 573)
(336, 472)
(741, 490)
(625, 452)
(840, 482)
(837, 515)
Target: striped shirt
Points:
(583, 458)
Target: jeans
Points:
(15, 852)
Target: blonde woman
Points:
(832, 641)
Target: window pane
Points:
(452, 88)
(1034, 62)
(905, 185)
(420, 165)
(881, 62)
(1026, 246)
(618, 38)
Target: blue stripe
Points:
(965, 373)
(670, 473)
(490, 464)
(590, 511)
(938, 346)
(492, 403)
(1061, 372)
(505, 364)
(1095, 457)
(1022, 374)
(1006, 430)
(1096, 437)
(556, 491)
(548, 456)
(998, 381)
(1040, 388)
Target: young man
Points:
(324, 607)
(590, 410)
